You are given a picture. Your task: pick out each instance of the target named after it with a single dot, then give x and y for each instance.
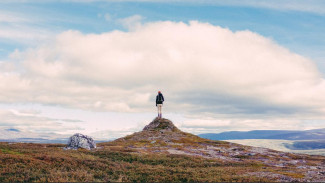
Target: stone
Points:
(161, 124)
(79, 140)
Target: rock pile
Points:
(160, 131)
(81, 141)
(161, 124)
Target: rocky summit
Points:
(160, 131)
(161, 124)
(79, 140)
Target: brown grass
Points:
(44, 162)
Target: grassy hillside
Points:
(159, 153)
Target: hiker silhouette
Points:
(159, 103)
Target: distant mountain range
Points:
(315, 134)
(16, 135)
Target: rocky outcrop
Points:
(160, 131)
(161, 124)
(81, 141)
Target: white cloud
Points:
(219, 124)
(201, 69)
(195, 61)
(111, 134)
(33, 122)
(8, 17)
(24, 34)
(19, 28)
(131, 23)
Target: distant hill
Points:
(315, 134)
(306, 145)
(36, 140)
(16, 135)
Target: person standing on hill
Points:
(159, 103)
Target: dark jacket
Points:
(159, 99)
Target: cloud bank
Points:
(203, 70)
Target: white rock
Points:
(81, 141)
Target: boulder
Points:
(81, 141)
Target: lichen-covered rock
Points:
(81, 141)
(161, 124)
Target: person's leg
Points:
(159, 110)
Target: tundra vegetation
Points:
(159, 153)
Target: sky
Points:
(95, 66)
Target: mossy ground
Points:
(45, 162)
(111, 162)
